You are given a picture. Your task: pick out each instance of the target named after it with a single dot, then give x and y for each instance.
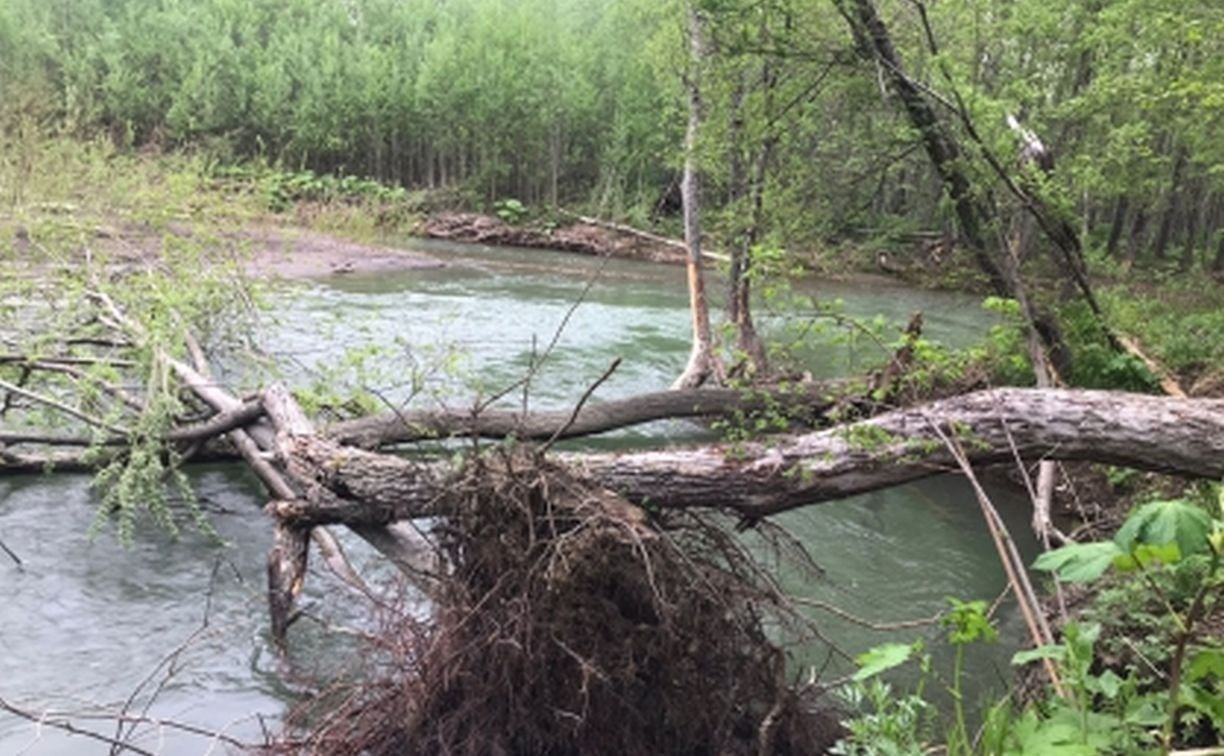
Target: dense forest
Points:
(172, 170)
(560, 101)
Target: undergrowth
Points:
(1140, 669)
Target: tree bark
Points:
(1192, 203)
(701, 363)
(739, 306)
(806, 402)
(1160, 434)
(1138, 228)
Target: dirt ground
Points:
(304, 254)
(263, 251)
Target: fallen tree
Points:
(1161, 434)
(804, 404)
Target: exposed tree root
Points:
(572, 623)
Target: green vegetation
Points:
(551, 101)
(1161, 577)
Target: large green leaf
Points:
(1162, 522)
(884, 657)
(1146, 554)
(1060, 734)
(1079, 562)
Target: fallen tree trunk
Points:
(1167, 435)
(806, 403)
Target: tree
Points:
(702, 362)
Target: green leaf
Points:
(1055, 652)
(1162, 522)
(1205, 702)
(1079, 562)
(1208, 662)
(1148, 554)
(967, 622)
(1148, 711)
(1059, 735)
(884, 657)
(1108, 684)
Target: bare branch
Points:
(581, 402)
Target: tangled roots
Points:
(569, 622)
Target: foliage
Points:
(1179, 323)
(520, 97)
(285, 188)
(1161, 690)
(554, 101)
(72, 277)
(885, 723)
(510, 210)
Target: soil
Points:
(304, 254)
(265, 251)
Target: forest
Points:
(232, 230)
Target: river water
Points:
(175, 630)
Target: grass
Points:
(56, 188)
(1181, 322)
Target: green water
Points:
(83, 624)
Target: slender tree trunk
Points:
(1192, 210)
(1172, 203)
(873, 38)
(1136, 238)
(744, 187)
(747, 340)
(554, 162)
(1218, 265)
(1121, 209)
(701, 362)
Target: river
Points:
(179, 626)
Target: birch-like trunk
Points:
(701, 363)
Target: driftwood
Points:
(622, 228)
(1168, 435)
(597, 239)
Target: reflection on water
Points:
(84, 624)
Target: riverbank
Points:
(580, 236)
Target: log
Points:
(809, 402)
(286, 574)
(622, 228)
(1161, 434)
